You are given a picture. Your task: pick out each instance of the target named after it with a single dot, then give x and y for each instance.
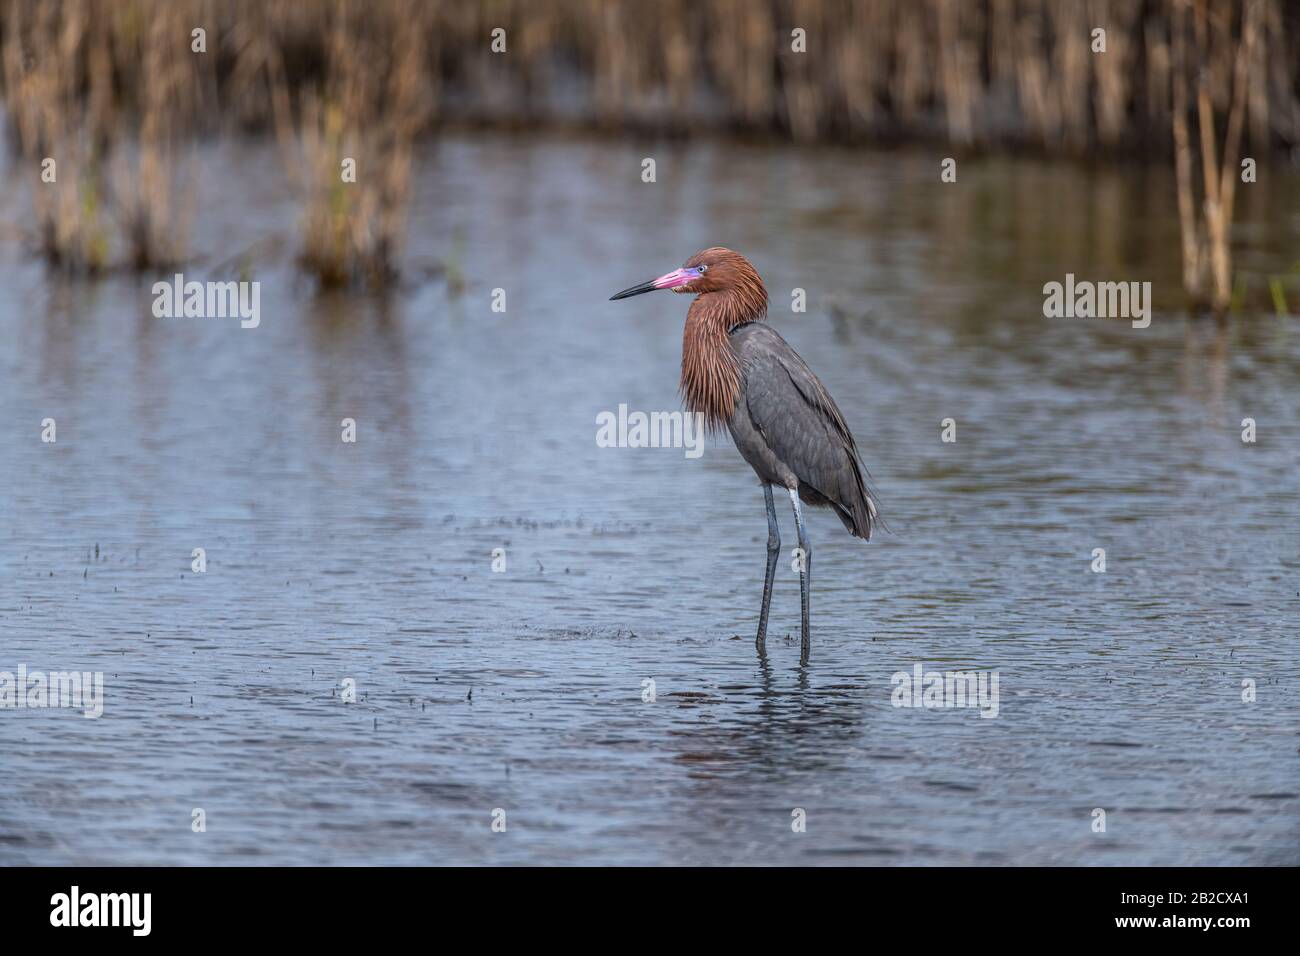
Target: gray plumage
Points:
(789, 429)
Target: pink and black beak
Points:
(670, 281)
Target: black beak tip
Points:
(635, 290)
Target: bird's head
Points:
(711, 270)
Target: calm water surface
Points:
(523, 690)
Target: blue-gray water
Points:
(373, 561)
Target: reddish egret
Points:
(738, 372)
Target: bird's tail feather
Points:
(862, 518)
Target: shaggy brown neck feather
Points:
(710, 372)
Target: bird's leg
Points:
(773, 555)
(805, 575)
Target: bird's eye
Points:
(702, 269)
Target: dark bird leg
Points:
(773, 555)
(805, 575)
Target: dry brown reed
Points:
(56, 96)
(1207, 256)
(154, 205)
(971, 71)
(365, 78)
(113, 198)
(373, 102)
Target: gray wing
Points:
(795, 417)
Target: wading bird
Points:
(738, 372)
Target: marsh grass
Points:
(973, 72)
(364, 79)
(55, 119)
(373, 103)
(154, 196)
(1206, 247)
(115, 200)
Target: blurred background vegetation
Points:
(114, 91)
